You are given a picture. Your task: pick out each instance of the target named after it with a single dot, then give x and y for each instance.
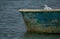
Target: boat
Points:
(41, 20)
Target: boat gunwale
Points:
(37, 10)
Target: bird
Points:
(47, 8)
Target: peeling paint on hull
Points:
(42, 21)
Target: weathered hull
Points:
(42, 21)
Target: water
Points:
(11, 22)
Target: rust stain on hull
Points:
(41, 29)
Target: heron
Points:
(47, 8)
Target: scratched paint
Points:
(42, 21)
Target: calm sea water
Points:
(11, 22)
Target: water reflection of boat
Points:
(40, 36)
(40, 20)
